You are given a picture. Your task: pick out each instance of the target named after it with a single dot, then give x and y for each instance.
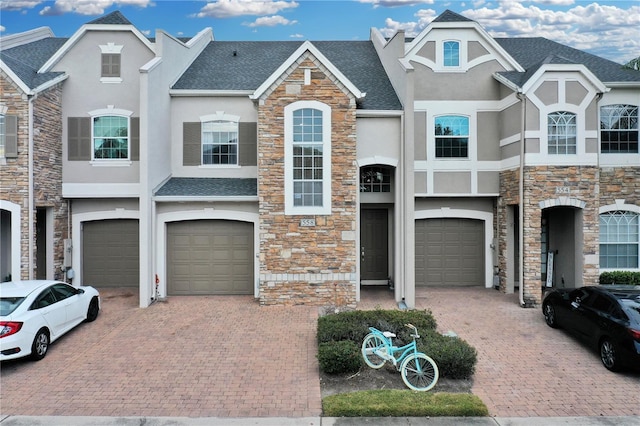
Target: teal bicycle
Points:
(419, 372)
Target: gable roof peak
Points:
(113, 18)
(450, 16)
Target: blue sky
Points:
(610, 29)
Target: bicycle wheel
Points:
(419, 372)
(370, 344)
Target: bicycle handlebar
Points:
(415, 330)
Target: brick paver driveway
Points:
(526, 368)
(189, 356)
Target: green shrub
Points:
(339, 357)
(354, 325)
(455, 358)
(620, 277)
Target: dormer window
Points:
(451, 53)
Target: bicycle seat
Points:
(388, 334)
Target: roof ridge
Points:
(114, 18)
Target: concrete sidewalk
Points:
(318, 421)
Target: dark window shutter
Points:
(11, 136)
(248, 144)
(79, 139)
(191, 150)
(134, 139)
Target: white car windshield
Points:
(9, 304)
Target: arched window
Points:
(619, 240)
(619, 129)
(308, 158)
(561, 133)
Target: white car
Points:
(33, 314)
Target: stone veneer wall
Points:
(47, 167)
(540, 192)
(317, 264)
(509, 196)
(14, 175)
(620, 183)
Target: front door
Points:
(374, 247)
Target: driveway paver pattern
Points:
(202, 356)
(525, 368)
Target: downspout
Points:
(401, 214)
(523, 115)
(30, 201)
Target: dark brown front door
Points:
(374, 248)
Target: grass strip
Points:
(403, 403)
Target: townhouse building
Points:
(300, 172)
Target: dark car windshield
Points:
(9, 304)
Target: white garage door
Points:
(210, 257)
(449, 252)
(111, 253)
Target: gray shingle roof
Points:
(113, 18)
(449, 16)
(532, 53)
(26, 59)
(217, 68)
(208, 187)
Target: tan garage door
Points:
(111, 253)
(210, 257)
(449, 252)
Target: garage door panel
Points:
(110, 253)
(449, 252)
(217, 254)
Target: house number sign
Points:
(307, 222)
(563, 190)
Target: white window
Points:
(110, 136)
(619, 240)
(561, 133)
(452, 136)
(619, 129)
(307, 158)
(451, 53)
(220, 142)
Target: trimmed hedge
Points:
(456, 359)
(339, 357)
(620, 277)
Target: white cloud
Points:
(2, 28)
(602, 29)
(296, 36)
(233, 8)
(89, 7)
(18, 4)
(271, 21)
(396, 3)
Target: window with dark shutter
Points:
(79, 139)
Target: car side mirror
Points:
(79, 291)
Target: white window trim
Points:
(220, 116)
(469, 139)
(289, 208)
(112, 48)
(453, 67)
(111, 111)
(619, 205)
